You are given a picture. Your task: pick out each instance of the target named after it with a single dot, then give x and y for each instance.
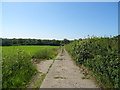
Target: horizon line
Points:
(88, 36)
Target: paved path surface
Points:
(42, 67)
(65, 74)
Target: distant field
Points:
(9, 50)
(17, 67)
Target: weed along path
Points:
(43, 68)
(65, 74)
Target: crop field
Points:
(17, 67)
(8, 50)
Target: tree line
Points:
(21, 41)
(17, 42)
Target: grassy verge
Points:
(40, 78)
(17, 70)
(45, 54)
(17, 66)
(38, 83)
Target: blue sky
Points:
(59, 20)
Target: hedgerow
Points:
(101, 56)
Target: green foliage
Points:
(101, 56)
(65, 41)
(31, 50)
(39, 81)
(18, 42)
(45, 54)
(17, 69)
(17, 66)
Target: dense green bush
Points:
(101, 56)
(17, 69)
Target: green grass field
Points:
(17, 67)
(9, 50)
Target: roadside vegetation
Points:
(46, 54)
(101, 56)
(18, 67)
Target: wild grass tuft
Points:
(45, 54)
(17, 65)
(17, 69)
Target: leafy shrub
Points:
(101, 56)
(17, 69)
